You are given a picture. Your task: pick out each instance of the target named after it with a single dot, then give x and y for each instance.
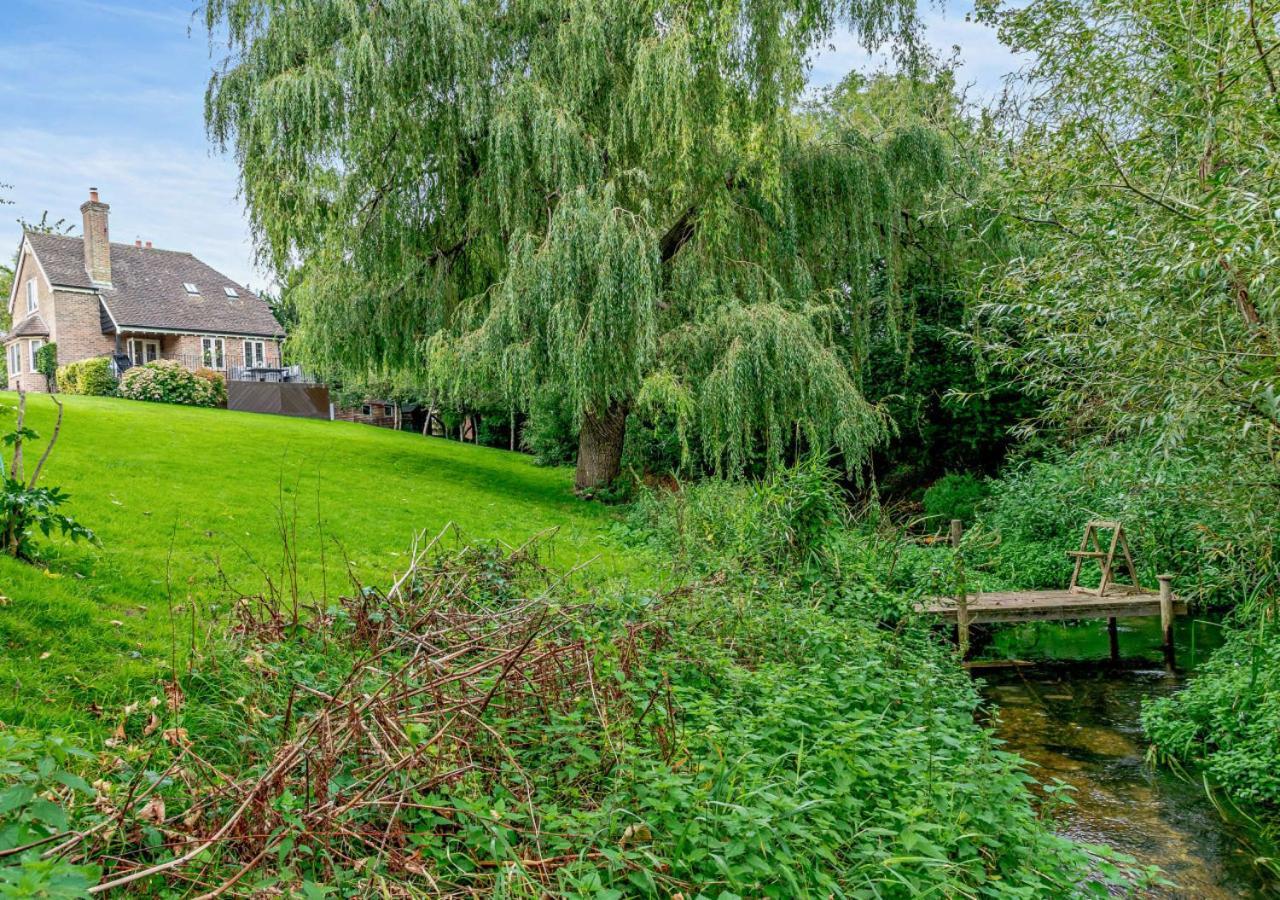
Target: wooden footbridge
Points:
(1110, 600)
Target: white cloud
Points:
(176, 196)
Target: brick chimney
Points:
(97, 243)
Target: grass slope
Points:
(187, 503)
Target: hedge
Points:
(88, 376)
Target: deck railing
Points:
(232, 371)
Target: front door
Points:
(143, 351)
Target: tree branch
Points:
(1262, 56)
(53, 439)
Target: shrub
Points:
(92, 377)
(217, 381)
(1190, 515)
(47, 362)
(722, 735)
(38, 790)
(955, 497)
(164, 381)
(26, 506)
(1227, 719)
(775, 525)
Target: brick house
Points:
(131, 302)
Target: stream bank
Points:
(1076, 718)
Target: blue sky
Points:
(110, 93)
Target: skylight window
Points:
(191, 288)
(230, 292)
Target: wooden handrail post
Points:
(962, 595)
(1166, 616)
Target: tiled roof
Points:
(147, 289)
(31, 326)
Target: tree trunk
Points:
(600, 448)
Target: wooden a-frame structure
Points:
(1091, 548)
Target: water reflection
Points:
(1081, 724)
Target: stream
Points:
(1076, 718)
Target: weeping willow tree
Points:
(612, 200)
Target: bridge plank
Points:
(1022, 606)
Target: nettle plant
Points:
(26, 507)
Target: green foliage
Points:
(577, 312)
(91, 377)
(6, 286)
(1143, 208)
(40, 789)
(779, 525)
(1138, 185)
(611, 195)
(25, 505)
(1184, 515)
(165, 381)
(954, 496)
(1227, 719)
(47, 361)
(217, 384)
(26, 509)
(949, 414)
(777, 748)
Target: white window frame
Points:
(15, 358)
(138, 350)
(34, 344)
(213, 353)
(33, 298)
(190, 288)
(230, 292)
(255, 353)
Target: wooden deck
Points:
(1024, 606)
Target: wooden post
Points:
(1166, 617)
(1114, 637)
(962, 596)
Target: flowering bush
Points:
(164, 381)
(88, 376)
(217, 381)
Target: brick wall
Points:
(28, 380)
(27, 269)
(76, 325)
(188, 346)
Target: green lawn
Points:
(178, 495)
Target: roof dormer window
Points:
(33, 301)
(191, 288)
(230, 292)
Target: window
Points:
(15, 359)
(191, 288)
(33, 302)
(230, 292)
(255, 353)
(143, 351)
(36, 344)
(211, 353)
(366, 410)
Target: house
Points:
(132, 302)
